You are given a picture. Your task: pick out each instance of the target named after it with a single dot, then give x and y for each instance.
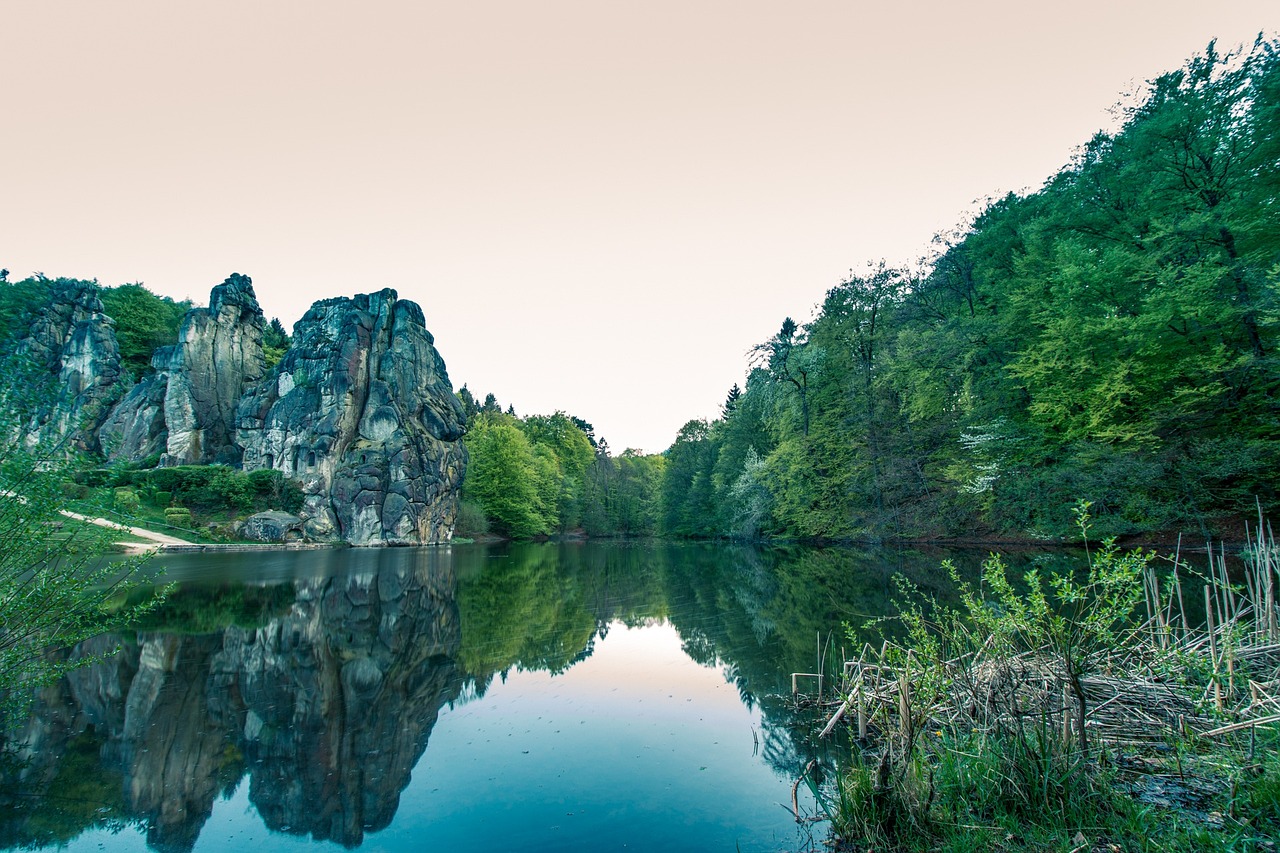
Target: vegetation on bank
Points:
(203, 501)
(1087, 711)
(56, 587)
(1111, 336)
(548, 475)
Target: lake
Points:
(580, 696)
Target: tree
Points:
(503, 476)
(57, 586)
(469, 405)
(144, 322)
(275, 342)
(783, 356)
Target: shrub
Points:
(127, 501)
(178, 516)
(471, 521)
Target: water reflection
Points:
(324, 690)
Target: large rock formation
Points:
(75, 342)
(327, 709)
(360, 410)
(185, 411)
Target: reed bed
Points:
(1172, 676)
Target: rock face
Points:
(272, 526)
(76, 343)
(360, 410)
(327, 709)
(185, 411)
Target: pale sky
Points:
(601, 206)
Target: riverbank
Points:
(1097, 714)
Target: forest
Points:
(1110, 337)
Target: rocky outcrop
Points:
(272, 526)
(185, 411)
(218, 355)
(326, 709)
(135, 429)
(360, 410)
(75, 342)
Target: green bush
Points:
(471, 521)
(127, 501)
(75, 491)
(178, 516)
(216, 488)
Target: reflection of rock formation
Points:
(360, 409)
(326, 709)
(332, 736)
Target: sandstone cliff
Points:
(361, 411)
(185, 410)
(74, 341)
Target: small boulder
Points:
(272, 526)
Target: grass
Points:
(1086, 713)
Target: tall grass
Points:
(1043, 715)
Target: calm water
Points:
(531, 697)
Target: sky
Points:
(600, 206)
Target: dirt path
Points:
(140, 532)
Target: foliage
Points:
(1112, 335)
(275, 343)
(214, 488)
(144, 322)
(545, 475)
(56, 585)
(969, 723)
(1073, 621)
(19, 302)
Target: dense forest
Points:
(1111, 337)
(548, 475)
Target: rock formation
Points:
(74, 341)
(272, 526)
(185, 411)
(360, 410)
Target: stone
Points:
(75, 343)
(186, 409)
(360, 410)
(272, 526)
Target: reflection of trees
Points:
(543, 607)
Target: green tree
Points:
(144, 322)
(275, 342)
(503, 477)
(56, 585)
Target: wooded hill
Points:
(1111, 337)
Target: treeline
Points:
(144, 321)
(548, 475)
(1111, 337)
